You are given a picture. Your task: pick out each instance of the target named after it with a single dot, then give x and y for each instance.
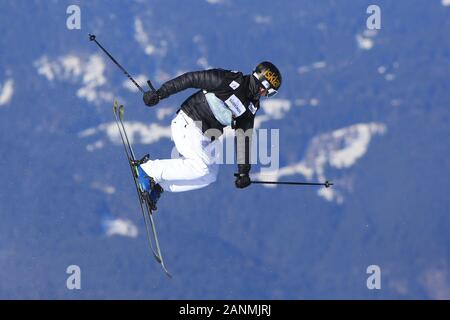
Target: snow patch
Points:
(87, 132)
(319, 65)
(276, 108)
(6, 92)
(364, 43)
(365, 39)
(95, 146)
(382, 69)
(161, 113)
(120, 227)
(347, 145)
(388, 71)
(203, 62)
(130, 86)
(45, 68)
(313, 66)
(103, 188)
(144, 40)
(74, 69)
(339, 149)
(314, 102)
(138, 132)
(92, 78)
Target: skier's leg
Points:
(195, 163)
(189, 167)
(187, 185)
(175, 169)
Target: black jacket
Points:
(239, 92)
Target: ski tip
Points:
(166, 271)
(168, 274)
(161, 262)
(115, 105)
(121, 111)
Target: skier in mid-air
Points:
(226, 98)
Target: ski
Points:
(143, 196)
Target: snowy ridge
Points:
(138, 132)
(74, 69)
(339, 149)
(274, 109)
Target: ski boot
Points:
(149, 189)
(154, 196)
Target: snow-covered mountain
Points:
(366, 109)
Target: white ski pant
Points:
(196, 168)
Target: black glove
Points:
(242, 178)
(151, 98)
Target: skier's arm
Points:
(207, 80)
(243, 143)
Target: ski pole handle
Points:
(150, 85)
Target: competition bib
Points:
(235, 105)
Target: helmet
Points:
(268, 76)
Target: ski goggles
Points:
(266, 85)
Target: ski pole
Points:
(92, 37)
(327, 184)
